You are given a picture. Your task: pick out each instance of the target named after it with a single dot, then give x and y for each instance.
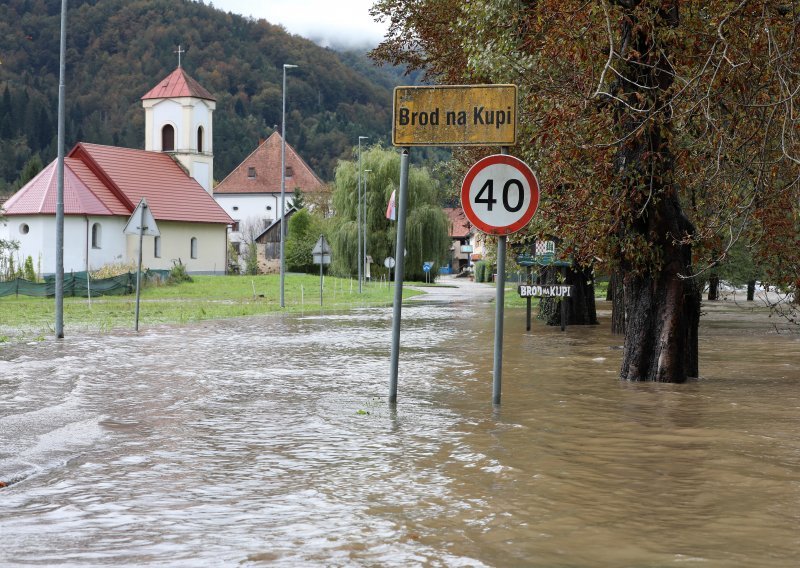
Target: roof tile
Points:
(178, 84)
(266, 163)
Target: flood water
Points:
(268, 442)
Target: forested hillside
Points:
(118, 49)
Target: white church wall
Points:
(176, 244)
(36, 235)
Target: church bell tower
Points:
(178, 120)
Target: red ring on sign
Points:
(522, 168)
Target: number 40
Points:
(486, 195)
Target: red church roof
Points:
(105, 180)
(260, 172)
(178, 84)
(39, 196)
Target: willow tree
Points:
(427, 234)
(671, 125)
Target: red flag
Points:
(391, 214)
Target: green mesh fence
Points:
(78, 284)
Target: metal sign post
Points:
(321, 254)
(499, 196)
(465, 115)
(398, 275)
(141, 222)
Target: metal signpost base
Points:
(399, 274)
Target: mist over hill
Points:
(118, 49)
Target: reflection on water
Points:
(268, 442)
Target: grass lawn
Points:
(206, 297)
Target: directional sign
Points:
(142, 221)
(321, 252)
(544, 291)
(426, 267)
(455, 115)
(500, 194)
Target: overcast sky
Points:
(327, 22)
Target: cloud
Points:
(341, 23)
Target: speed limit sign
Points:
(500, 194)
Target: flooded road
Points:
(268, 441)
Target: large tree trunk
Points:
(581, 308)
(713, 288)
(662, 300)
(663, 309)
(751, 290)
(617, 290)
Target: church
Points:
(104, 184)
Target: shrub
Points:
(178, 274)
(482, 271)
(29, 273)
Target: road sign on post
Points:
(500, 194)
(455, 115)
(321, 254)
(141, 222)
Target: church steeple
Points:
(178, 120)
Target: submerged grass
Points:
(205, 298)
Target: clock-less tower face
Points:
(179, 120)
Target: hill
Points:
(118, 49)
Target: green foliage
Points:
(427, 226)
(298, 201)
(28, 272)
(178, 274)
(739, 266)
(251, 259)
(7, 250)
(305, 229)
(483, 271)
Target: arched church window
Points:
(157, 247)
(193, 247)
(167, 138)
(199, 138)
(97, 235)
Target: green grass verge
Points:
(205, 298)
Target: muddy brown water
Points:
(268, 442)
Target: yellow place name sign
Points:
(455, 115)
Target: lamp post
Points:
(283, 184)
(359, 259)
(366, 256)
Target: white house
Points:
(104, 184)
(251, 193)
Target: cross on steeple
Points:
(179, 51)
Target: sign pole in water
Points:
(458, 115)
(399, 274)
(499, 196)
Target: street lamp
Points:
(283, 184)
(366, 265)
(358, 217)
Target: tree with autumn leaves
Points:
(663, 132)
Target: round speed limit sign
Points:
(500, 194)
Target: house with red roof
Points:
(104, 184)
(251, 193)
(464, 247)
